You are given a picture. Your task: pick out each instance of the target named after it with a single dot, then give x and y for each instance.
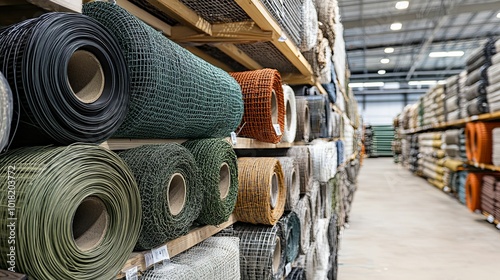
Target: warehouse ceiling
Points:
(427, 28)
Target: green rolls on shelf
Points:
(174, 94)
(290, 225)
(218, 173)
(77, 212)
(171, 196)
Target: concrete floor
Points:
(402, 228)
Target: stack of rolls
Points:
(462, 79)
(431, 161)
(479, 141)
(455, 144)
(302, 156)
(493, 89)
(452, 99)
(320, 59)
(489, 193)
(433, 105)
(495, 137)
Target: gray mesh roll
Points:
(292, 181)
(317, 114)
(303, 211)
(174, 94)
(303, 119)
(214, 259)
(262, 251)
(302, 155)
(6, 111)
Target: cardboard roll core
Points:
(176, 194)
(90, 223)
(224, 180)
(85, 76)
(277, 256)
(274, 190)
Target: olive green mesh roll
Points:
(218, 169)
(74, 212)
(174, 94)
(290, 225)
(171, 196)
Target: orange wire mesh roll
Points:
(482, 148)
(264, 104)
(262, 192)
(470, 133)
(473, 191)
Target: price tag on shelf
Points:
(282, 38)
(498, 226)
(233, 138)
(490, 219)
(288, 269)
(277, 129)
(160, 254)
(131, 274)
(446, 189)
(148, 258)
(474, 118)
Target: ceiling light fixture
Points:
(498, 15)
(422, 83)
(385, 60)
(396, 26)
(368, 84)
(401, 5)
(389, 50)
(446, 54)
(442, 82)
(381, 72)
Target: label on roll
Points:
(233, 138)
(160, 254)
(131, 274)
(288, 269)
(474, 118)
(491, 219)
(498, 226)
(277, 129)
(148, 258)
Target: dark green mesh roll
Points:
(174, 94)
(166, 212)
(290, 225)
(219, 175)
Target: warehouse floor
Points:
(402, 228)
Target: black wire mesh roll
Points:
(218, 169)
(174, 94)
(297, 273)
(6, 111)
(262, 251)
(170, 193)
(303, 119)
(327, 125)
(69, 79)
(317, 114)
(290, 224)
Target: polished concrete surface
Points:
(402, 228)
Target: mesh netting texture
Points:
(291, 172)
(218, 173)
(303, 211)
(290, 225)
(324, 159)
(327, 127)
(303, 119)
(268, 56)
(302, 155)
(262, 191)
(288, 15)
(297, 273)
(84, 204)
(218, 11)
(6, 112)
(290, 115)
(69, 80)
(170, 192)
(320, 58)
(174, 94)
(264, 104)
(329, 16)
(314, 196)
(318, 260)
(262, 252)
(316, 105)
(214, 259)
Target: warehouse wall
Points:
(379, 109)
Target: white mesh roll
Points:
(310, 26)
(324, 158)
(291, 115)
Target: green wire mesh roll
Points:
(78, 212)
(290, 169)
(290, 224)
(174, 94)
(6, 111)
(170, 193)
(218, 173)
(262, 251)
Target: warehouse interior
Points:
(249, 139)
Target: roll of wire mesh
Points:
(290, 225)
(170, 192)
(218, 173)
(69, 80)
(174, 94)
(262, 192)
(302, 155)
(6, 112)
(297, 273)
(214, 259)
(303, 119)
(291, 172)
(317, 115)
(327, 15)
(303, 211)
(84, 204)
(309, 30)
(321, 256)
(473, 191)
(333, 242)
(262, 251)
(470, 133)
(264, 117)
(328, 125)
(480, 142)
(290, 115)
(324, 159)
(314, 196)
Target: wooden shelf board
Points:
(484, 166)
(178, 245)
(146, 17)
(249, 143)
(495, 221)
(74, 6)
(182, 13)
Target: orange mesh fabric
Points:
(255, 176)
(258, 87)
(473, 191)
(470, 133)
(483, 142)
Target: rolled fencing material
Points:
(297, 273)
(333, 242)
(264, 117)
(303, 211)
(262, 192)
(290, 225)
(170, 192)
(480, 141)
(6, 112)
(303, 119)
(302, 155)
(324, 159)
(290, 115)
(84, 203)
(309, 30)
(473, 191)
(328, 125)
(291, 172)
(262, 251)
(314, 196)
(174, 94)
(322, 256)
(340, 152)
(317, 115)
(69, 80)
(218, 173)
(214, 259)
(327, 15)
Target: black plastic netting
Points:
(174, 94)
(268, 56)
(288, 15)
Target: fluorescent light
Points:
(441, 82)
(385, 60)
(392, 85)
(368, 84)
(381, 72)
(446, 54)
(389, 50)
(401, 5)
(422, 83)
(498, 15)
(355, 85)
(396, 26)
